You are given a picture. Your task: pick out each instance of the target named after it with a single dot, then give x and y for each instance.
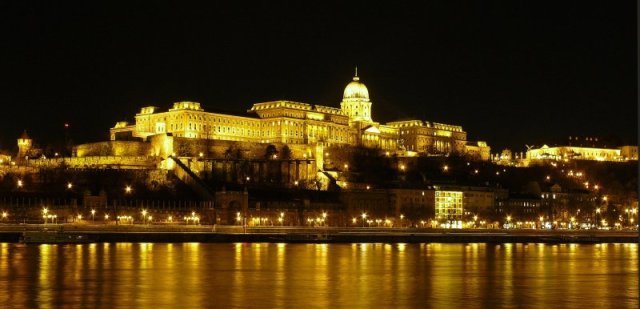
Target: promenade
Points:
(209, 233)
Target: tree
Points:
(271, 152)
(286, 153)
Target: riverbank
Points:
(211, 234)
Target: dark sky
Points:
(511, 73)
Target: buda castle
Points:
(297, 123)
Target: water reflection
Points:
(338, 275)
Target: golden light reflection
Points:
(295, 275)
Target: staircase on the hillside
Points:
(186, 175)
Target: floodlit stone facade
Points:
(297, 123)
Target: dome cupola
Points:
(355, 101)
(356, 90)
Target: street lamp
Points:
(20, 183)
(364, 216)
(93, 215)
(401, 217)
(127, 189)
(144, 216)
(69, 186)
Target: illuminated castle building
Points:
(292, 123)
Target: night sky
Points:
(511, 73)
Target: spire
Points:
(356, 78)
(24, 135)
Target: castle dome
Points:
(356, 90)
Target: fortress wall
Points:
(113, 148)
(97, 161)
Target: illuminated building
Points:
(449, 205)
(584, 148)
(24, 145)
(288, 122)
(582, 153)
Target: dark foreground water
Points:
(319, 275)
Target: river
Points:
(263, 275)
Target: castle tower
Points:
(24, 145)
(355, 101)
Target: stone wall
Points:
(97, 162)
(187, 147)
(113, 148)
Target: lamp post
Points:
(364, 216)
(93, 215)
(44, 214)
(144, 216)
(401, 218)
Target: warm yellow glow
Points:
(127, 189)
(449, 204)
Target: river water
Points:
(261, 275)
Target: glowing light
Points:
(127, 189)
(69, 186)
